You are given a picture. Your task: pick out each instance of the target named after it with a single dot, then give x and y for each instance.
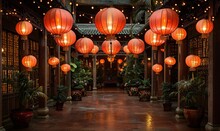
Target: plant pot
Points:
(167, 106)
(77, 95)
(193, 117)
(21, 118)
(133, 91)
(144, 95)
(59, 106)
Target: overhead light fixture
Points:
(92, 7)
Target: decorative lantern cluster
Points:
(111, 47)
(136, 46)
(84, 46)
(157, 68)
(66, 40)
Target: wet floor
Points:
(110, 110)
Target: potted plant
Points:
(193, 94)
(167, 89)
(27, 94)
(61, 97)
(144, 90)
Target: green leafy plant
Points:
(167, 89)
(193, 92)
(61, 94)
(27, 93)
(145, 84)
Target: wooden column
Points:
(1, 127)
(154, 77)
(68, 75)
(182, 70)
(57, 71)
(145, 65)
(214, 72)
(167, 72)
(94, 72)
(43, 110)
(161, 75)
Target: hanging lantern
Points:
(110, 59)
(58, 21)
(136, 46)
(53, 61)
(110, 21)
(153, 39)
(29, 62)
(24, 28)
(120, 61)
(179, 34)
(66, 40)
(170, 61)
(204, 27)
(111, 47)
(84, 46)
(164, 21)
(157, 68)
(102, 61)
(126, 50)
(95, 49)
(65, 68)
(162, 49)
(193, 61)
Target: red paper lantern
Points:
(66, 40)
(126, 50)
(164, 21)
(204, 27)
(170, 61)
(84, 46)
(95, 49)
(120, 61)
(58, 21)
(153, 39)
(111, 47)
(102, 61)
(110, 21)
(65, 68)
(179, 34)
(136, 46)
(24, 28)
(110, 59)
(193, 61)
(53, 61)
(29, 62)
(157, 68)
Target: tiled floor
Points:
(109, 110)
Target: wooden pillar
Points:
(94, 72)
(43, 110)
(154, 77)
(167, 72)
(182, 70)
(1, 127)
(68, 75)
(57, 71)
(161, 75)
(145, 65)
(214, 71)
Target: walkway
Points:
(110, 110)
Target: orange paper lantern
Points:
(53, 61)
(58, 21)
(179, 34)
(120, 61)
(84, 46)
(111, 47)
(66, 40)
(29, 62)
(24, 28)
(102, 61)
(153, 39)
(204, 27)
(95, 49)
(65, 68)
(110, 21)
(126, 50)
(136, 46)
(193, 61)
(157, 68)
(110, 59)
(164, 21)
(170, 61)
